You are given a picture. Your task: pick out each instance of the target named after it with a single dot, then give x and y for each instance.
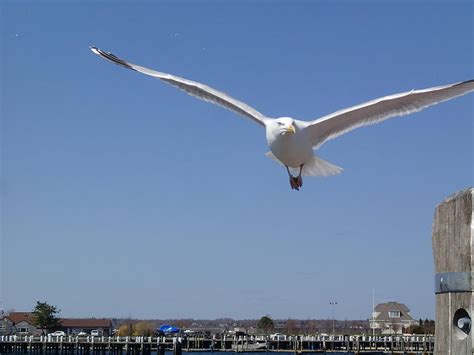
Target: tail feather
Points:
(315, 167)
(320, 167)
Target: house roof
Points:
(383, 308)
(86, 323)
(17, 317)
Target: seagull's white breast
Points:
(292, 150)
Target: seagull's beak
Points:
(290, 129)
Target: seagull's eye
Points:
(280, 123)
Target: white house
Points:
(391, 318)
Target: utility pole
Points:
(333, 304)
(373, 312)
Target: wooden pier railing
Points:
(144, 345)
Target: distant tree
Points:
(265, 324)
(182, 323)
(309, 326)
(424, 327)
(290, 327)
(395, 327)
(415, 329)
(143, 329)
(429, 326)
(125, 329)
(44, 317)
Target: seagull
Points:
(292, 142)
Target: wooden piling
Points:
(177, 347)
(161, 349)
(453, 251)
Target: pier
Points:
(407, 345)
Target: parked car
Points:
(81, 334)
(96, 333)
(58, 333)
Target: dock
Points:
(408, 345)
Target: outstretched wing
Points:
(371, 112)
(193, 88)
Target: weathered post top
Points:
(453, 251)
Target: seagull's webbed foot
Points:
(296, 182)
(299, 179)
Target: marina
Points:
(409, 345)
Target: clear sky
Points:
(124, 197)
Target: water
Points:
(280, 353)
(244, 353)
(276, 353)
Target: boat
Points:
(249, 345)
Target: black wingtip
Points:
(111, 57)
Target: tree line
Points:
(45, 317)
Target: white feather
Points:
(374, 111)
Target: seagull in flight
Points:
(292, 142)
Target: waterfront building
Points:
(86, 325)
(391, 318)
(21, 323)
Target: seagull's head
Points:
(283, 126)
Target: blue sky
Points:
(124, 197)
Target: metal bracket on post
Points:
(454, 282)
